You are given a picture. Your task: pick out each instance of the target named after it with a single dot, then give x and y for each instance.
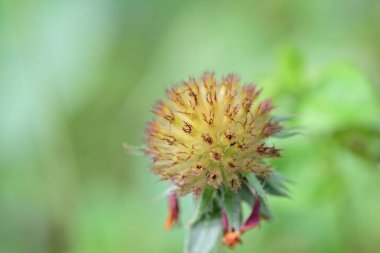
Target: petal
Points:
(173, 211)
(254, 218)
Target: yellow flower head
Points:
(211, 132)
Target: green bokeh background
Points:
(78, 79)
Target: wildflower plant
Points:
(210, 139)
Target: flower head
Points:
(210, 137)
(211, 132)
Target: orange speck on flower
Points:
(231, 238)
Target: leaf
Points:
(203, 235)
(256, 185)
(338, 95)
(247, 196)
(264, 211)
(283, 118)
(232, 206)
(167, 192)
(285, 133)
(203, 204)
(134, 150)
(275, 184)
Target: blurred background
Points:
(78, 79)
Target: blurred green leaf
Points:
(247, 196)
(281, 118)
(275, 184)
(204, 204)
(232, 206)
(286, 133)
(342, 96)
(203, 235)
(134, 150)
(167, 192)
(364, 142)
(265, 211)
(256, 185)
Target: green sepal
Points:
(203, 235)
(134, 150)
(256, 185)
(204, 232)
(232, 206)
(204, 204)
(264, 210)
(247, 196)
(275, 184)
(285, 133)
(167, 192)
(281, 118)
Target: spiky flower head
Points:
(211, 132)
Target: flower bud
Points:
(210, 132)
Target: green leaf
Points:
(275, 184)
(203, 235)
(283, 118)
(247, 196)
(264, 210)
(256, 185)
(339, 94)
(232, 206)
(134, 150)
(204, 204)
(167, 192)
(286, 134)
